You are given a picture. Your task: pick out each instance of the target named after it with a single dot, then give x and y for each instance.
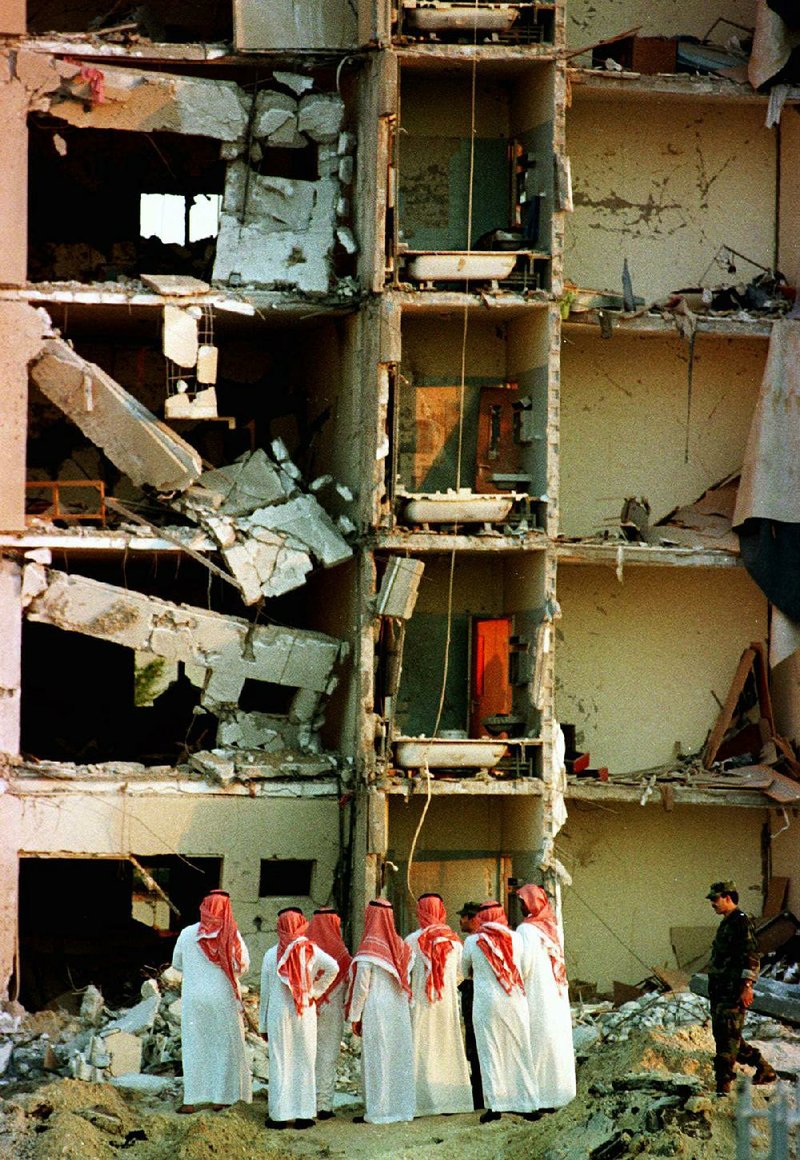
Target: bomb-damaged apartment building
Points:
(399, 456)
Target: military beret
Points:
(718, 888)
(469, 908)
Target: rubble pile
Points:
(644, 1089)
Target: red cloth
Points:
(494, 939)
(381, 944)
(435, 943)
(295, 952)
(325, 929)
(218, 936)
(541, 915)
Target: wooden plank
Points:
(726, 713)
(777, 892)
(762, 683)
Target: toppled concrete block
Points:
(214, 765)
(207, 364)
(320, 116)
(345, 170)
(97, 1055)
(346, 239)
(248, 731)
(294, 81)
(150, 988)
(249, 483)
(276, 232)
(146, 1084)
(124, 1052)
(180, 336)
(308, 525)
(265, 565)
(171, 977)
(273, 111)
(137, 1020)
(6, 1050)
(92, 1004)
(145, 449)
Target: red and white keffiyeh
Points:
(295, 952)
(325, 931)
(218, 936)
(541, 915)
(382, 945)
(435, 943)
(494, 939)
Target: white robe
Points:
(502, 1034)
(441, 1075)
(330, 1028)
(550, 1021)
(292, 1038)
(215, 1068)
(387, 1053)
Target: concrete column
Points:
(10, 655)
(20, 339)
(14, 169)
(12, 18)
(8, 890)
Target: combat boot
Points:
(764, 1073)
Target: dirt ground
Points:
(617, 1113)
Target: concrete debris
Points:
(180, 336)
(321, 116)
(294, 81)
(146, 102)
(231, 650)
(275, 113)
(269, 532)
(275, 231)
(141, 446)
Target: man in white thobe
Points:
(500, 1015)
(378, 1007)
(441, 1075)
(545, 978)
(211, 955)
(293, 975)
(325, 931)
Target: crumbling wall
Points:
(21, 332)
(231, 650)
(588, 22)
(282, 231)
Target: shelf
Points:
(620, 553)
(656, 325)
(412, 540)
(594, 83)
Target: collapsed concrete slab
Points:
(276, 232)
(231, 650)
(141, 446)
(146, 102)
(269, 532)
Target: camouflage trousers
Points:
(727, 1021)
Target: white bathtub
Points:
(447, 753)
(461, 506)
(462, 265)
(443, 17)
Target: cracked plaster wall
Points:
(666, 185)
(643, 666)
(591, 20)
(639, 386)
(643, 871)
(287, 24)
(21, 331)
(241, 831)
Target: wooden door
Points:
(491, 687)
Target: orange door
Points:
(491, 688)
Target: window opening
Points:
(176, 219)
(285, 878)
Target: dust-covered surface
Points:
(644, 1092)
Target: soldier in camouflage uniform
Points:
(733, 969)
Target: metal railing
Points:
(50, 506)
(781, 1116)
